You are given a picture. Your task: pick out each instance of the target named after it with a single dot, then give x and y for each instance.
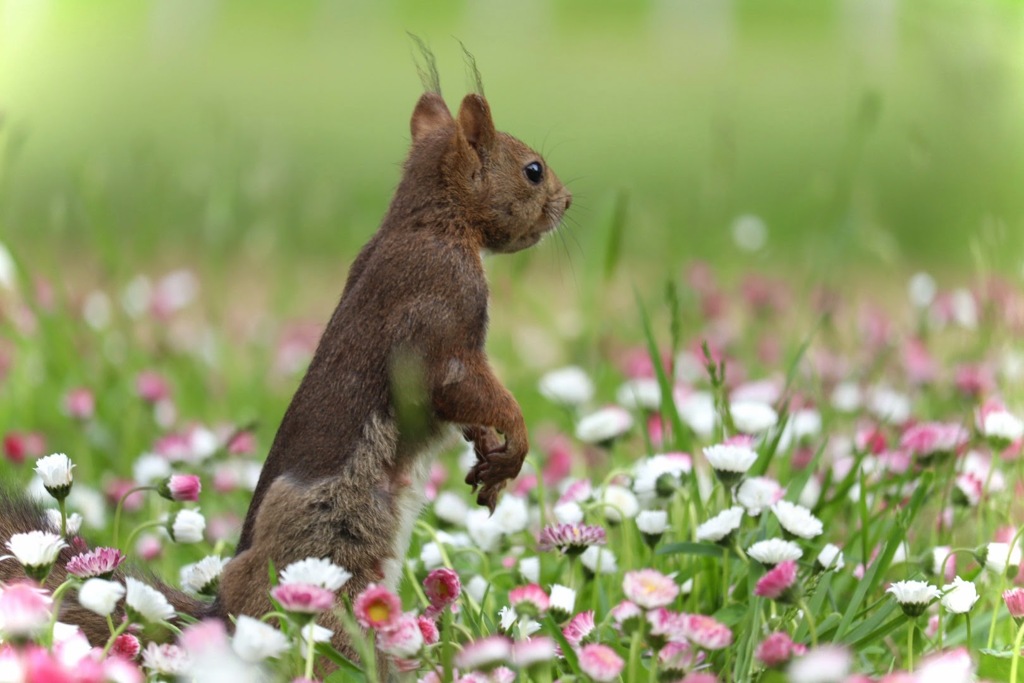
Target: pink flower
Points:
(600, 662)
(428, 627)
(181, 487)
(678, 656)
(535, 650)
(558, 463)
(203, 635)
(25, 608)
(19, 445)
(442, 587)
(777, 581)
(80, 403)
(484, 653)
(100, 562)
(151, 386)
(571, 539)
(576, 492)
(667, 625)
(700, 677)
(579, 627)
(377, 607)
(649, 588)
(1014, 599)
(777, 649)
(927, 439)
(403, 639)
(706, 632)
(127, 646)
(303, 598)
(242, 443)
(43, 667)
(529, 600)
(627, 615)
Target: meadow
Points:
(770, 364)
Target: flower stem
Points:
(1014, 663)
(811, 625)
(120, 507)
(63, 518)
(136, 530)
(113, 636)
(309, 655)
(910, 647)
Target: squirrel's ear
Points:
(430, 114)
(475, 122)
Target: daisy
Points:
(100, 596)
(604, 426)
(571, 539)
(36, 551)
(730, 462)
(772, 551)
(316, 572)
(145, 603)
(203, 577)
(255, 641)
(913, 596)
(959, 596)
(777, 582)
(579, 627)
(55, 471)
(600, 662)
(797, 520)
(720, 527)
(649, 588)
(570, 386)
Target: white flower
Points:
(825, 664)
(959, 597)
(730, 458)
(811, 493)
(831, 557)
(604, 425)
(318, 633)
(506, 618)
(698, 411)
(451, 508)
(619, 502)
(255, 641)
(599, 560)
(753, 417)
(757, 493)
(562, 599)
(430, 556)
(652, 522)
(483, 529)
(100, 596)
(146, 602)
(644, 392)
(8, 271)
(648, 471)
(316, 572)
(1000, 558)
(568, 512)
(921, 289)
(939, 555)
(511, 514)
(749, 232)
(74, 521)
(913, 593)
(965, 308)
(187, 527)
(847, 397)
(802, 425)
(797, 520)
(721, 525)
(90, 503)
(169, 660)
(889, 405)
(55, 471)
(477, 588)
(36, 549)
(529, 567)
(201, 577)
(150, 469)
(774, 550)
(1002, 425)
(567, 386)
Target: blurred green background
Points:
(258, 137)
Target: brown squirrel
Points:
(399, 369)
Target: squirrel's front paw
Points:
(492, 471)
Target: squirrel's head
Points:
(500, 187)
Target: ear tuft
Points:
(476, 124)
(430, 114)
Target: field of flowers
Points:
(737, 489)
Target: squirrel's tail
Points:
(19, 514)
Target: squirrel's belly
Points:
(409, 498)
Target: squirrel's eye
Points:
(534, 172)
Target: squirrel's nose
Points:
(568, 201)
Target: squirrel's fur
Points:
(400, 362)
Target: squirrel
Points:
(400, 369)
